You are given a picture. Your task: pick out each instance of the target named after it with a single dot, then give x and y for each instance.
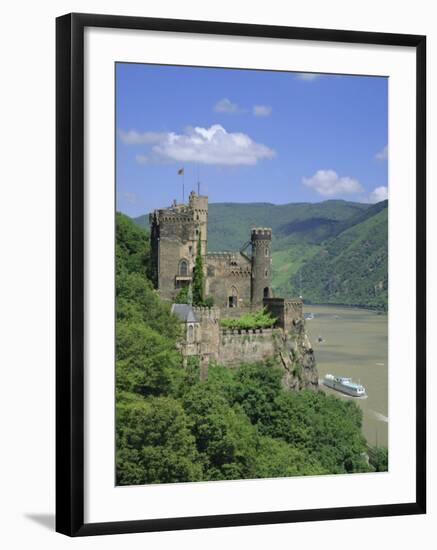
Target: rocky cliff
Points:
(296, 356)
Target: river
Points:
(355, 344)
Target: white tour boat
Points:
(344, 385)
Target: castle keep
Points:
(234, 279)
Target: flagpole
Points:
(181, 172)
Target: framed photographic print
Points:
(240, 274)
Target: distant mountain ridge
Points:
(333, 251)
(352, 267)
(229, 223)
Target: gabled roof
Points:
(185, 313)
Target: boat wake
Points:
(380, 416)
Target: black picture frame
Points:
(70, 273)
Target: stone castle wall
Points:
(248, 346)
(209, 331)
(228, 274)
(288, 347)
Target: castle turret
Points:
(261, 240)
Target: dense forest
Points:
(239, 423)
(333, 251)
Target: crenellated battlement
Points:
(209, 314)
(247, 331)
(258, 233)
(220, 255)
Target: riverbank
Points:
(348, 306)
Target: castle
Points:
(238, 282)
(233, 279)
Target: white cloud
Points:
(379, 194)
(212, 145)
(307, 76)
(262, 110)
(383, 154)
(132, 137)
(328, 182)
(226, 106)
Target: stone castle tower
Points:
(261, 240)
(232, 279)
(175, 233)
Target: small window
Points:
(266, 273)
(266, 252)
(190, 333)
(183, 268)
(190, 249)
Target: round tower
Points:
(261, 240)
(199, 207)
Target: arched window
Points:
(183, 268)
(233, 297)
(266, 251)
(190, 333)
(266, 292)
(266, 273)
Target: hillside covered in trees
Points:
(240, 423)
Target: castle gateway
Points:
(234, 279)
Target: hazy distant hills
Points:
(330, 252)
(229, 223)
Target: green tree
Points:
(328, 429)
(132, 246)
(251, 320)
(148, 363)
(256, 388)
(182, 296)
(378, 458)
(198, 286)
(226, 440)
(154, 442)
(276, 458)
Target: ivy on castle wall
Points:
(198, 278)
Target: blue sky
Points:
(250, 136)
